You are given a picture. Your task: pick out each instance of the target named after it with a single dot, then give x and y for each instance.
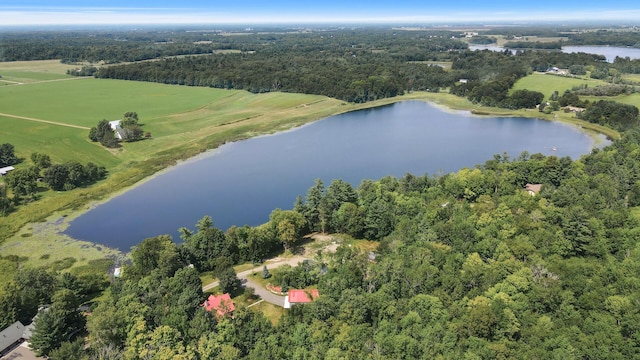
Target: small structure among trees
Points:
(300, 297)
(221, 304)
(10, 336)
(127, 129)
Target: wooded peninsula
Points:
(522, 256)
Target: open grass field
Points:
(547, 84)
(85, 101)
(33, 71)
(501, 40)
(60, 142)
(632, 77)
(632, 99)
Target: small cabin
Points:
(300, 297)
(533, 189)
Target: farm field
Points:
(60, 142)
(631, 99)
(85, 101)
(33, 71)
(632, 77)
(546, 84)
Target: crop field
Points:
(632, 77)
(501, 40)
(632, 99)
(85, 101)
(25, 72)
(546, 84)
(174, 115)
(60, 142)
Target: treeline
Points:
(612, 114)
(627, 65)
(353, 76)
(468, 265)
(626, 38)
(107, 47)
(126, 46)
(25, 183)
(533, 45)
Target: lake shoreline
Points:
(63, 218)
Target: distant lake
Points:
(241, 183)
(609, 52)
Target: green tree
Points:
(265, 272)
(69, 350)
(207, 244)
(6, 204)
(349, 219)
(42, 161)
(104, 134)
(229, 282)
(7, 155)
(35, 288)
(288, 225)
(158, 252)
(56, 176)
(314, 197)
(129, 118)
(57, 324)
(23, 182)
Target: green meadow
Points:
(60, 142)
(631, 99)
(547, 84)
(85, 101)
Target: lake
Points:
(609, 52)
(241, 183)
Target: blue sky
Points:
(41, 12)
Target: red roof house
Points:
(222, 304)
(300, 297)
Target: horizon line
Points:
(162, 16)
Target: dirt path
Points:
(44, 121)
(16, 83)
(261, 291)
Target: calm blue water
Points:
(609, 52)
(240, 183)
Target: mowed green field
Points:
(547, 84)
(632, 99)
(632, 77)
(60, 142)
(85, 101)
(26, 72)
(174, 115)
